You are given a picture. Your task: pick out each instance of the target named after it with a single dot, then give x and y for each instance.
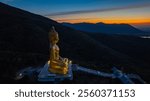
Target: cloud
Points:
(100, 10)
(76, 19)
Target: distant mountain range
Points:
(122, 29)
(24, 42)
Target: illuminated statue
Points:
(57, 64)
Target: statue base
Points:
(61, 71)
(46, 76)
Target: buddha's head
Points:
(53, 36)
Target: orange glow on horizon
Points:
(90, 20)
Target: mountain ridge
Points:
(100, 27)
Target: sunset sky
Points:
(135, 12)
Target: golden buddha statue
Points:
(56, 63)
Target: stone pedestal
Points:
(46, 76)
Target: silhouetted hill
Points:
(123, 29)
(24, 42)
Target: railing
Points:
(125, 78)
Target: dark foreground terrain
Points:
(24, 42)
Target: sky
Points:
(135, 12)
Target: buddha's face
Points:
(54, 39)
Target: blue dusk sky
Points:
(135, 12)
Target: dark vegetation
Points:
(24, 42)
